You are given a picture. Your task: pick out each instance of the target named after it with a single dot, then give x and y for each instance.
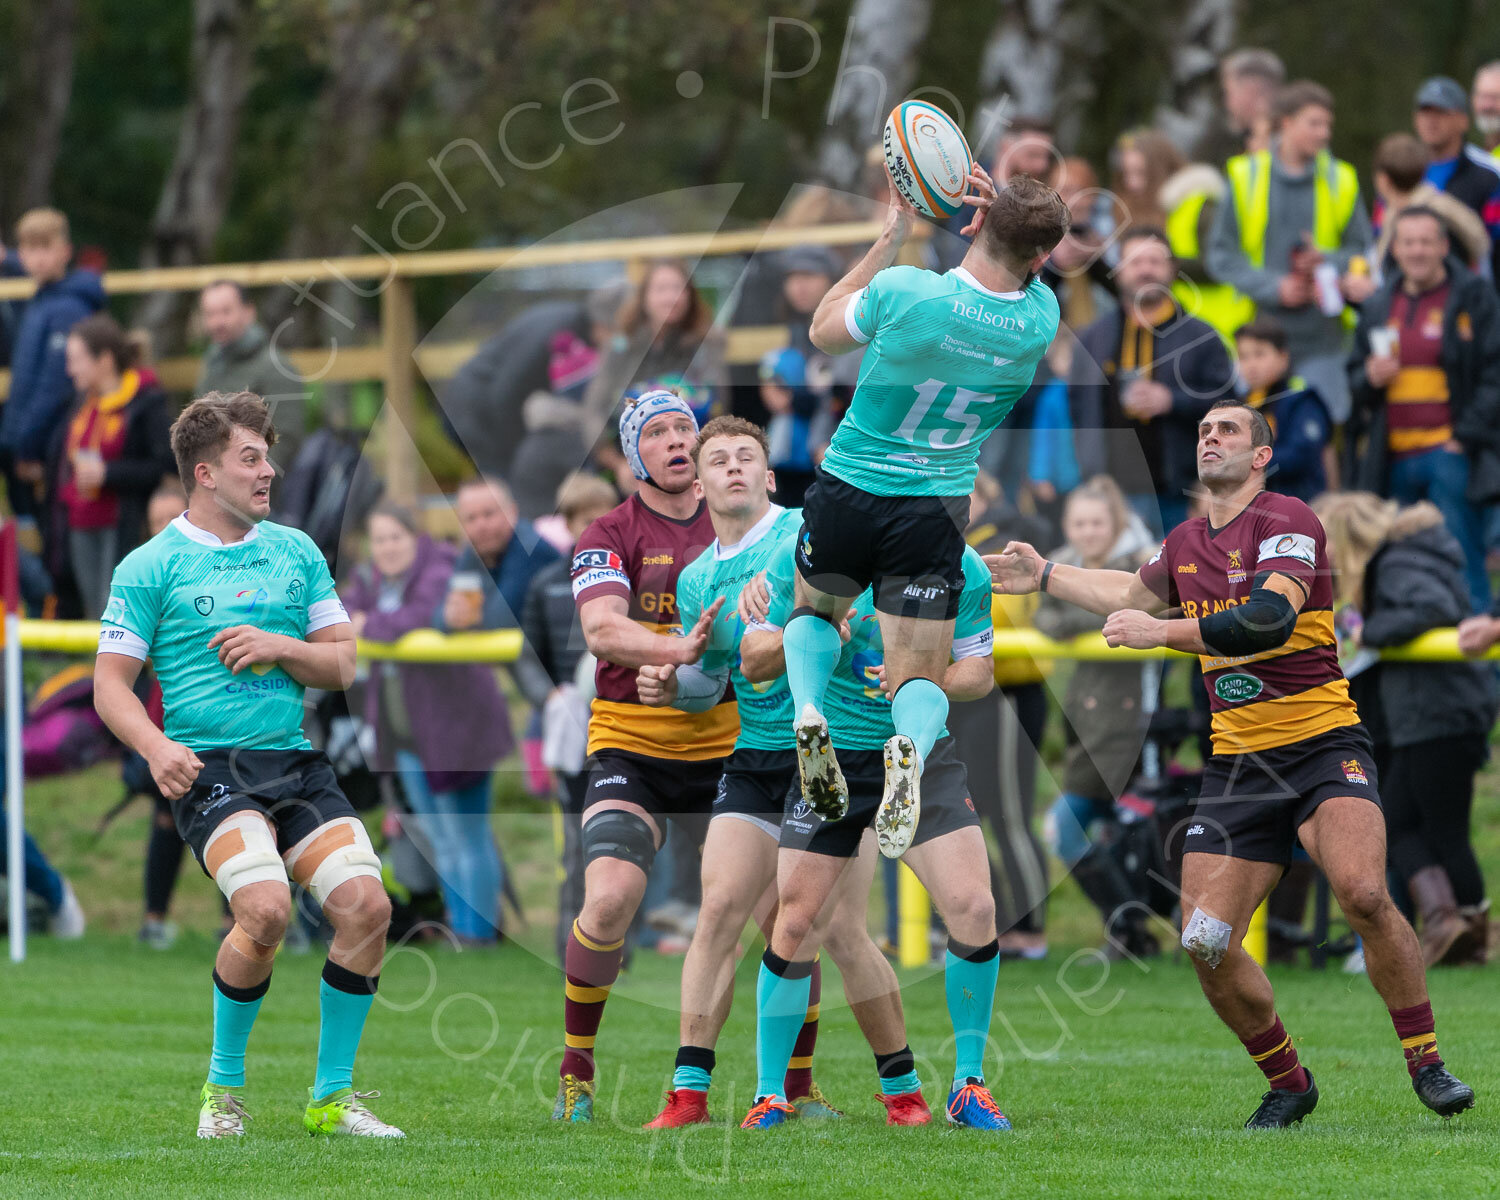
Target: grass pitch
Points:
(1120, 1081)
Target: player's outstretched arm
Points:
(1019, 570)
(173, 765)
(614, 637)
(829, 333)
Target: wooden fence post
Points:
(398, 336)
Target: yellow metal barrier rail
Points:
(504, 645)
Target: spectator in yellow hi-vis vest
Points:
(1291, 225)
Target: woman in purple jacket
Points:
(442, 727)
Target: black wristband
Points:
(1046, 574)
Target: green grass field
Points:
(1120, 1081)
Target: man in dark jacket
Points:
(1425, 380)
(241, 360)
(1464, 171)
(505, 550)
(40, 390)
(1147, 375)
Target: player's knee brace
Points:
(333, 854)
(807, 610)
(622, 835)
(242, 851)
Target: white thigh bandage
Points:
(242, 850)
(332, 854)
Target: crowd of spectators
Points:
(1364, 325)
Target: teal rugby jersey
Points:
(170, 596)
(947, 361)
(765, 708)
(858, 712)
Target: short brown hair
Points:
(41, 225)
(731, 427)
(1027, 218)
(203, 430)
(1254, 63)
(1264, 329)
(1143, 233)
(1420, 210)
(1293, 98)
(101, 334)
(1403, 159)
(1260, 428)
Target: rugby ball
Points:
(929, 158)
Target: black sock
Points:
(344, 980)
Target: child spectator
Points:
(1301, 457)
(109, 455)
(39, 386)
(1102, 707)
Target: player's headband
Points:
(638, 414)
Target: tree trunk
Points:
(1193, 112)
(46, 35)
(1035, 64)
(877, 67)
(196, 191)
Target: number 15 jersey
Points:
(947, 360)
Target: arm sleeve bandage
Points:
(699, 690)
(1263, 622)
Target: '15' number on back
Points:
(957, 412)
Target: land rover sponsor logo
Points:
(1237, 687)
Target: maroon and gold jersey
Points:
(637, 554)
(1280, 696)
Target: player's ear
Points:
(770, 481)
(698, 488)
(1261, 459)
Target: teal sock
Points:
(969, 979)
(811, 647)
(694, 1069)
(694, 1079)
(898, 1073)
(919, 710)
(781, 995)
(344, 1000)
(234, 1014)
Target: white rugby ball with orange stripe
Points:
(929, 158)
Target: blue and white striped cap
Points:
(635, 417)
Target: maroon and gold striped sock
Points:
(1275, 1055)
(799, 1068)
(591, 969)
(1417, 1031)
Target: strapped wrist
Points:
(1047, 566)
